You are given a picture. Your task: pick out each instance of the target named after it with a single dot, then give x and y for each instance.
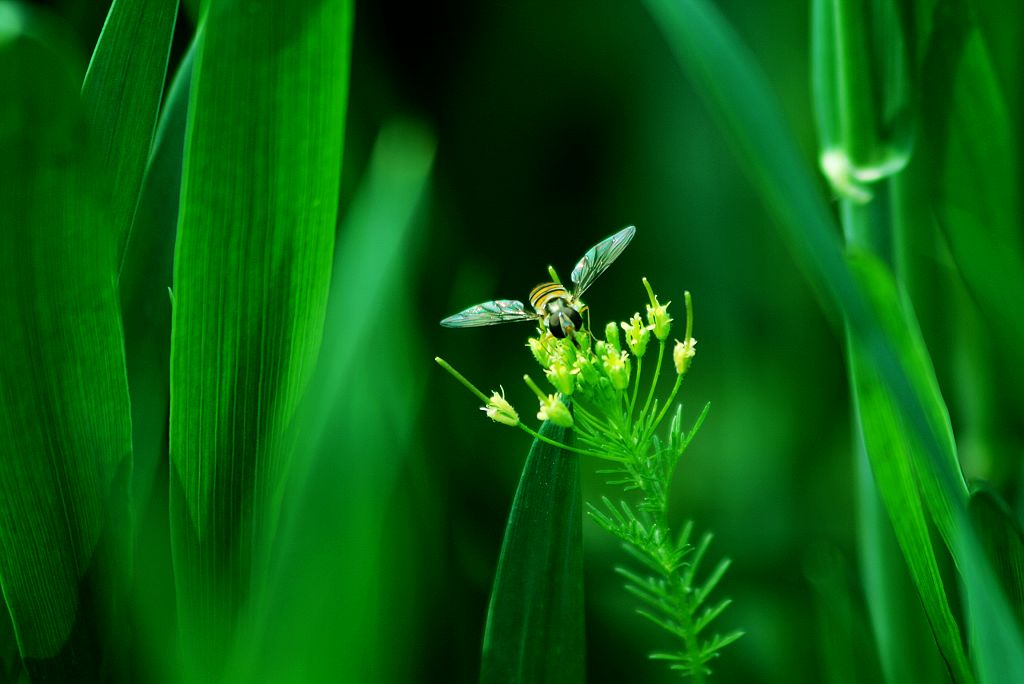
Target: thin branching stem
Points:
(611, 423)
(657, 374)
(636, 390)
(560, 445)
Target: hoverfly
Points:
(558, 310)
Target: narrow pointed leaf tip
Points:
(535, 630)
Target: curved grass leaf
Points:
(146, 308)
(10, 661)
(534, 627)
(893, 451)
(121, 94)
(65, 429)
(1001, 535)
(352, 524)
(972, 156)
(259, 202)
(738, 94)
(907, 651)
(145, 280)
(842, 634)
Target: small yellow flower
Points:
(500, 411)
(616, 367)
(611, 336)
(586, 370)
(683, 352)
(552, 408)
(539, 351)
(637, 335)
(563, 379)
(659, 319)
(657, 314)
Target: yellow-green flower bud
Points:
(659, 319)
(616, 367)
(500, 411)
(566, 350)
(584, 341)
(683, 352)
(637, 335)
(587, 374)
(657, 314)
(611, 336)
(563, 379)
(552, 408)
(539, 351)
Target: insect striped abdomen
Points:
(544, 293)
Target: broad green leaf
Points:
(892, 449)
(534, 629)
(65, 430)
(121, 94)
(145, 281)
(1001, 535)
(351, 525)
(259, 203)
(727, 77)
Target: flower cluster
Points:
(598, 391)
(597, 373)
(602, 376)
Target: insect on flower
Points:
(558, 309)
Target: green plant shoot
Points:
(617, 418)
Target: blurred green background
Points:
(553, 125)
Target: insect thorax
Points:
(561, 318)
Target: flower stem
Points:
(689, 314)
(458, 376)
(657, 373)
(636, 388)
(668, 403)
(560, 445)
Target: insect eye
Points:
(555, 326)
(576, 318)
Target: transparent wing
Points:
(490, 313)
(598, 258)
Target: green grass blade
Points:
(972, 154)
(64, 416)
(146, 308)
(259, 202)
(354, 523)
(1003, 540)
(534, 627)
(736, 91)
(738, 95)
(892, 448)
(121, 94)
(145, 280)
(903, 640)
(846, 654)
(10, 660)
